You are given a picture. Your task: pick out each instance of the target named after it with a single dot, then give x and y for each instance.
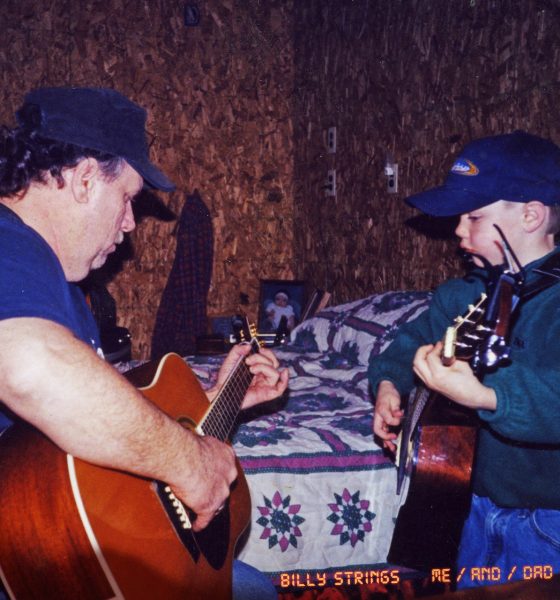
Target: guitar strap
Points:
(549, 275)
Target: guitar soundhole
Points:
(187, 423)
(211, 542)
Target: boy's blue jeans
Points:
(511, 543)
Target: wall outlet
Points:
(331, 140)
(392, 172)
(330, 183)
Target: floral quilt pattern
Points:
(323, 493)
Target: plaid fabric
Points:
(182, 311)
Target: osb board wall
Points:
(238, 108)
(218, 115)
(417, 79)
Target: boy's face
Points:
(477, 234)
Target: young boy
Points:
(512, 181)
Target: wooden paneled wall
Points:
(239, 106)
(219, 118)
(417, 80)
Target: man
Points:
(68, 176)
(512, 181)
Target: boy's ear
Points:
(534, 215)
(83, 178)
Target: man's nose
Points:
(128, 223)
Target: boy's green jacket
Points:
(518, 457)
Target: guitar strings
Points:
(226, 406)
(228, 402)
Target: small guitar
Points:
(72, 530)
(438, 440)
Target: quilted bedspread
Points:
(322, 491)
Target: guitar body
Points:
(69, 529)
(429, 524)
(439, 436)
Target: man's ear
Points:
(534, 215)
(83, 178)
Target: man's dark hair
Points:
(554, 219)
(27, 158)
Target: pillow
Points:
(361, 328)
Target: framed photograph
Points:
(281, 303)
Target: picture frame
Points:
(278, 298)
(317, 301)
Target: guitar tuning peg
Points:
(472, 336)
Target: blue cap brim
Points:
(152, 175)
(445, 201)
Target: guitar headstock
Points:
(248, 333)
(462, 339)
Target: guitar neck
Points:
(221, 417)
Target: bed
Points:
(322, 492)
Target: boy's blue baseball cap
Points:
(517, 166)
(99, 119)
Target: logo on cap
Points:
(463, 166)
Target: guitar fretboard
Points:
(222, 415)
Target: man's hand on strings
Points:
(269, 381)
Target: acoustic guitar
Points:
(438, 440)
(70, 530)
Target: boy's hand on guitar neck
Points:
(269, 381)
(388, 414)
(457, 381)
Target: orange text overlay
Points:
(494, 574)
(309, 580)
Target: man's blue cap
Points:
(517, 166)
(99, 119)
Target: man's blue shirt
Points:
(32, 284)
